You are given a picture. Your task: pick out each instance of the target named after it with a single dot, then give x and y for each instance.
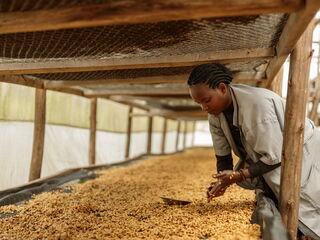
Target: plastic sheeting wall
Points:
(67, 147)
(67, 134)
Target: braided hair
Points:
(211, 74)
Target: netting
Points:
(144, 40)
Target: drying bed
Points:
(124, 202)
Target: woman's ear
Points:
(222, 87)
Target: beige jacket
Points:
(259, 114)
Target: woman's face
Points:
(212, 101)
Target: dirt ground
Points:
(124, 202)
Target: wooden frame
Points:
(129, 126)
(178, 135)
(164, 136)
(193, 132)
(93, 128)
(313, 114)
(83, 65)
(38, 134)
(293, 136)
(124, 12)
(294, 28)
(185, 134)
(242, 77)
(149, 137)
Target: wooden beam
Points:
(83, 65)
(294, 28)
(276, 85)
(178, 135)
(241, 77)
(20, 80)
(148, 90)
(129, 126)
(93, 127)
(185, 134)
(314, 110)
(313, 114)
(134, 12)
(294, 132)
(139, 92)
(70, 90)
(193, 132)
(149, 137)
(38, 134)
(164, 136)
(191, 115)
(40, 84)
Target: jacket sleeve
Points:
(220, 143)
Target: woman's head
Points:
(208, 86)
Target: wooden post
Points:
(178, 135)
(193, 132)
(164, 135)
(149, 140)
(129, 125)
(294, 132)
(38, 134)
(276, 85)
(315, 103)
(185, 134)
(93, 127)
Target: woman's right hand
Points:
(215, 189)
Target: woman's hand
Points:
(228, 177)
(225, 179)
(215, 189)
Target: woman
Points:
(250, 121)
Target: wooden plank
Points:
(185, 134)
(140, 92)
(149, 137)
(240, 77)
(294, 28)
(38, 134)
(294, 132)
(313, 115)
(83, 65)
(192, 115)
(193, 132)
(20, 80)
(133, 12)
(178, 135)
(122, 100)
(147, 90)
(40, 84)
(69, 90)
(129, 126)
(93, 128)
(164, 136)
(276, 85)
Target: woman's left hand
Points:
(228, 177)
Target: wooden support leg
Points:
(193, 132)
(185, 134)
(276, 85)
(178, 135)
(149, 140)
(38, 134)
(313, 114)
(129, 125)
(294, 132)
(93, 126)
(164, 135)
